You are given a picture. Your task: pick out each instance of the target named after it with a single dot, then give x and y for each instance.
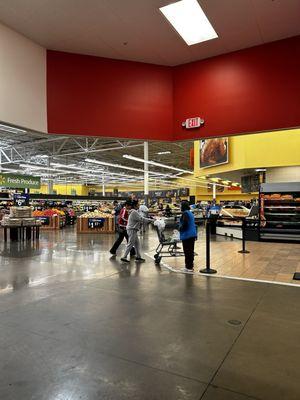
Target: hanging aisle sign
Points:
(21, 200)
(20, 181)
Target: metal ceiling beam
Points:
(62, 145)
(79, 144)
(94, 144)
(5, 156)
(97, 150)
(37, 142)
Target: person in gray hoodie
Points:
(134, 223)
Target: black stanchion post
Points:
(208, 270)
(244, 251)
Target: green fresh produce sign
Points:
(20, 181)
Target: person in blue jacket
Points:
(188, 235)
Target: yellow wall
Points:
(271, 149)
(43, 189)
(81, 190)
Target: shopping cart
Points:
(167, 246)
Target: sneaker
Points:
(124, 260)
(140, 259)
(188, 271)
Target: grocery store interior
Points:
(95, 123)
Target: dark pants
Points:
(121, 235)
(188, 248)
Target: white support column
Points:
(146, 173)
(50, 183)
(214, 191)
(103, 186)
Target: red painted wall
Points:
(97, 96)
(250, 90)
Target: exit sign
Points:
(191, 123)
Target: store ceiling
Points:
(136, 30)
(26, 151)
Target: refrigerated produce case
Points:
(280, 211)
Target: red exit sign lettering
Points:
(194, 122)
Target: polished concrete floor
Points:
(77, 324)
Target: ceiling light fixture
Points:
(157, 164)
(9, 169)
(81, 169)
(90, 160)
(120, 166)
(43, 167)
(163, 152)
(35, 166)
(189, 20)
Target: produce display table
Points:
(62, 220)
(50, 223)
(96, 225)
(22, 232)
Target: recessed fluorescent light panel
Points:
(156, 164)
(189, 20)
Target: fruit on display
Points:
(105, 209)
(49, 212)
(97, 214)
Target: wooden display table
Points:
(22, 232)
(95, 225)
(50, 223)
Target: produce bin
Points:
(96, 225)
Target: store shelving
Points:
(280, 211)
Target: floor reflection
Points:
(20, 249)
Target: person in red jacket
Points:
(122, 221)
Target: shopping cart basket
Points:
(167, 247)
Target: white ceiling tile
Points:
(100, 27)
(277, 19)
(234, 21)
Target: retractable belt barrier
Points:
(244, 251)
(207, 269)
(244, 225)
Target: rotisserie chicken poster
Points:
(213, 152)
